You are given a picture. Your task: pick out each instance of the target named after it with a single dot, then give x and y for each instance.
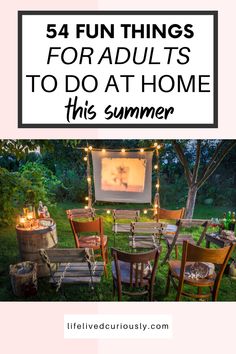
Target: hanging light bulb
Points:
(86, 198)
(86, 149)
(157, 185)
(141, 150)
(103, 151)
(85, 158)
(90, 148)
(89, 179)
(155, 144)
(158, 147)
(155, 167)
(108, 211)
(145, 211)
(155, 206)
(86, 207)
(123, 150)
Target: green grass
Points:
(9, 255)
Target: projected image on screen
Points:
(123, 174)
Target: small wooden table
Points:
(217, 240)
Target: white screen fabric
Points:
(124, 177)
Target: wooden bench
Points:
(72, 266)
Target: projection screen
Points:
(123, 177)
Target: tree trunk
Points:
(192, 193)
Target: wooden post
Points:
(89, 180)
(156, 202)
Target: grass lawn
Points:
(9, 255)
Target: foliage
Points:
(32, 183)
(54, 170)
(39, 183)
(9, 184)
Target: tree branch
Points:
(197, 162)
(212, 160)
(216, 164)
(183, 161)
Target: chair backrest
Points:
(80, 213)
(131, 215)
(64, 255)
(189, 223)
(219, 256)
(185, 223)
(138, 262)
(79, 227)
(170, 214)
(192, 253)
(146, 228)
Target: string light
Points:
(108, 211)
(103, 151)
(155, 167)
(86, 207)
(158, 147)
(123, 150)
(89, 179)
(145, 211)
(86, 149)
(155, 144)
(90, 148)
(85, 158)
(157, 185)
(141, 150)
(86, 198)
(155, 206)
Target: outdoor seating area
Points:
(134, 263)
(123, 243)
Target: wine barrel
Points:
(31, 241)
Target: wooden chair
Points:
(132, 273)
(71, 266)
(81, 213)
(177, 239)
(145, 234)
(95, 242)
(119, 216)
(170, 214)
(194, 254)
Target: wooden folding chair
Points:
(72, 266)
(95, 242)
(164, 214)
(145, 235)
(122, 221)
(192, 271)
(177, 239)
(81, 213)
(133, 273)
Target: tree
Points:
(207, 157)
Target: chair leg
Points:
(104, 260)
(107, 254)
(168, 283)
(179, 290)
(150, 294)
(199, 291)
(113, 290)
(176, 252)
(105, 269)
(119, 295)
